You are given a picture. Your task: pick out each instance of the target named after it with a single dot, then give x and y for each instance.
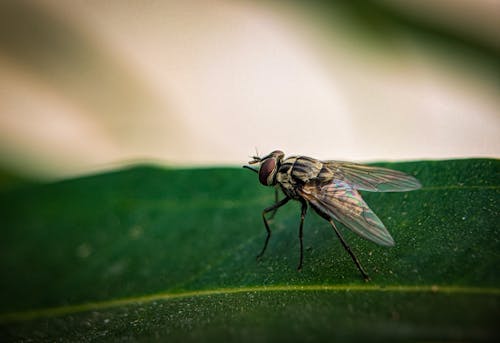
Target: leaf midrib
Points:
(164, 296)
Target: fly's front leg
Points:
(275, 201)
(267, 210)
(346, 247)
(303, 212)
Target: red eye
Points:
(266, 169)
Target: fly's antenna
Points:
(256, 156)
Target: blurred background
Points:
(91, 85)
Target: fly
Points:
(331, 188)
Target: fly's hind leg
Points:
(303, 211)
(268, 230)
(346, 247)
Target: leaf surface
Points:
(151, 254)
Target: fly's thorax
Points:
(296, 171)
(269, 167)
(299, 169)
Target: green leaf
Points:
(163, 254)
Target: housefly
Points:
(331, 189)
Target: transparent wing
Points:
(340, 201)
(374, 179)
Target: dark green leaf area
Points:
(75, 242)
(145, 230)
(280, 317)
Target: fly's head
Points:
(268, 167)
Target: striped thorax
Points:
(295, 171)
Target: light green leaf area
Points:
(149, 254)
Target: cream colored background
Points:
(203, 83)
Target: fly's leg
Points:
(303, 212)
(346, 247)
(267, 210)
(275, 201)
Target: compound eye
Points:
(266, 168)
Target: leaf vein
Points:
(49, 312)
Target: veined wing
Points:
(340, 201)
(368, 178)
